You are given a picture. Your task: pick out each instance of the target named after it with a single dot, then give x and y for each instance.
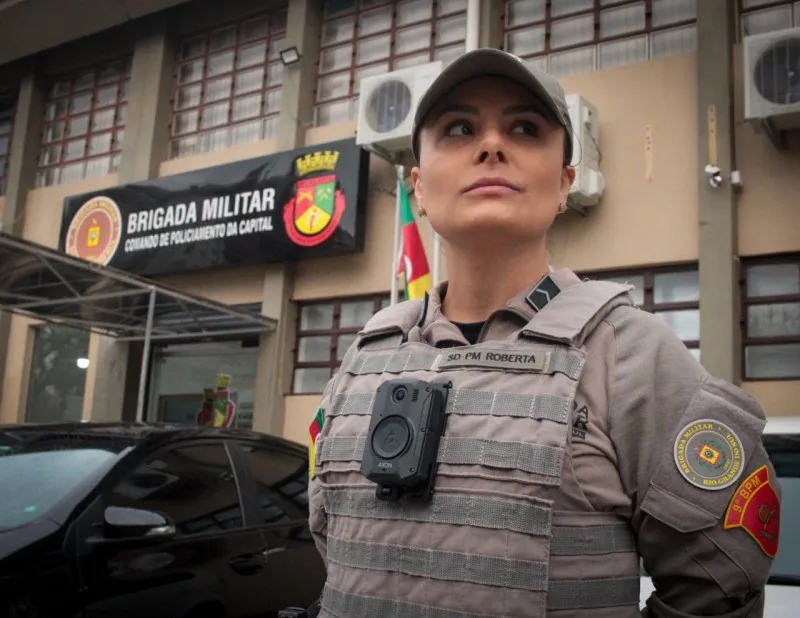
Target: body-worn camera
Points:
(408, 419)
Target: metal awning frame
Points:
(145, 311)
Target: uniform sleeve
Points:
(704, 493)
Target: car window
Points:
(34, 481)
(193, 485)
(784, 452)
(281, 479)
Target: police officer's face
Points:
(491, 131)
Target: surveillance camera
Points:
(714, 175)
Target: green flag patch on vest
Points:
(313, 432)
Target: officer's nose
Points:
(491, 148)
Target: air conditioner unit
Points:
(589, 184)
(386, 105)
(772, 78)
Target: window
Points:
(58, 374)
(84, 124)
(7, 104)
(193, 485)
(325, 331)
(228, 86)
(760, 16)
(281, 479)
(362, 38)
(771, 318)
(579, 36)
(673, 294)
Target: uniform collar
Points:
(438, 331)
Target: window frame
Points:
(648, 275)
(742, 13)
(354, 15)
(597, 40)
(116, 130)
(202, 82)
(747, 301)
(334, 332)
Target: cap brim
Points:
(484, 62)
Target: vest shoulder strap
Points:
(390, 326)
(575, 313)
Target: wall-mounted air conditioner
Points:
(772, 79)
(386, 106)
(589, 185)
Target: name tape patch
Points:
(755, 507)
(499, 359)
(709, 454)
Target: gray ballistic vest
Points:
(501, 536)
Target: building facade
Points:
(191, 86)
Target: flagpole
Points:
(400, 171)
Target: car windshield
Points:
(784, 452)
(35, 475)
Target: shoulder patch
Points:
(313, 433)
(709, 454)
(756, 508)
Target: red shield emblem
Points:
(314, 213)
(755, 507)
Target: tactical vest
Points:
(501, 535)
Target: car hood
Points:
(17, 541)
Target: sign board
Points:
(293, 205)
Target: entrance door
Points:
(181, 372)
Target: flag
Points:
(413, 264)
(313, 432)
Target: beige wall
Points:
(16, 373)
(649, 214)
(769, 215)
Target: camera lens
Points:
(399, 394)
(391, 436)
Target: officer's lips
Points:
(492, 186)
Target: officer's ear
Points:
(419, 193)
(567, 178)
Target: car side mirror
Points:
(122, 522)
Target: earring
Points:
(562, 208)
(421, 212)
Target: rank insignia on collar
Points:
(544, 291)
(313, 433)
(756, 508)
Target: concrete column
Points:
(109, 384)
(718, 262)
(274, 373)
(491, 34)
(23, 157)
(146, 134)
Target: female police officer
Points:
(579, 433)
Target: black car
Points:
(134, 520)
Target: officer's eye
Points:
(526, 128)
(458, 128)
